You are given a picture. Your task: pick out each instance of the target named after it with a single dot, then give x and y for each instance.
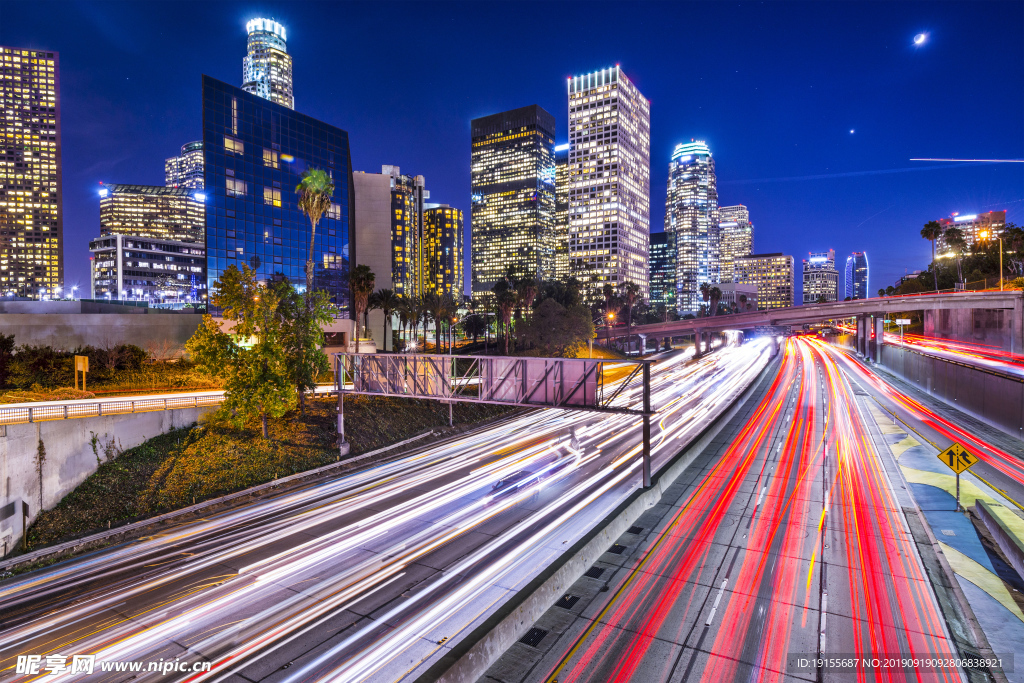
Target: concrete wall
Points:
(996, 399)
(70, 458)
(373, 239)
(162, 334)
(981, 325)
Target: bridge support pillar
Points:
(698, 343)
(862, 335)
(1017, 327)
(641, 344)
(879, 336)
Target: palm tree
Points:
(629, 292)
(705, 291)
(715, 295)
(931, 232)
(526, 289)
(361, 281)
(505, 299)
(431, 303)
(314, 192)
(743, 302)
(473, 326)
(387, 301)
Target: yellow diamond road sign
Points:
(957, 458)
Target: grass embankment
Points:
(189, 465)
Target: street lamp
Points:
(985, 234)
(608, 329)
(73, 288)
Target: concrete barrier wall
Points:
(996, 399)
(161, 334)
(70, 456)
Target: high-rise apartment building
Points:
(972, 226)
(442, 264)
(267, 66)
(255, 152)
(609, 179)
(663, 271)
(31, 216)
(773, 276)
(857, 275)
(185, 170)
(408, 199)
(736, 235)
(169, 213)
(562, 269)
(513, 195)
(691, 220)
(820, 277)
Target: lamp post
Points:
(985, 235)
(608, 329)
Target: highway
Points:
(369, 577)
(788, 542)
(982, 355)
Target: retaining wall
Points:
(70, 457)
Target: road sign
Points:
(957, 458)
(902, 321)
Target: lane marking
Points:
(718, 599)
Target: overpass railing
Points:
(70, 410)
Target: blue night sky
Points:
(774, 88)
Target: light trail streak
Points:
(304, 556)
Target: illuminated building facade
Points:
(772, 274)
(442, 264)
(267, 66)
(971, 225)
(186, 170)
(513, 196)
(691, 220)
(562, 269)
(663, 271)
(857, 275)
(609, 179)
(736, 235)
(127, 267)
(820, 277)
(168, 213)
(31, 216)
(255, 152)
(408, 195)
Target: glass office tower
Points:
(821, 279)
(255, 152)
(31, 217)
(610, 179)
(663, 271)
(857, 275)
(691, 219)
(513, 195)
(736, 234)
(267, 66)
(772, 274)
(185, 170)
(562, 269)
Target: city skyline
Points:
(789, 204)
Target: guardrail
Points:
(77, 409)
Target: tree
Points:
(705, 291)
(743, 302)
(629, 292)
(6, 355)
(505, 299)
(909, 286)
(314, 192)
(473, 326)
(555, 330)
(387, 302)
(822, 299)
(958, 245)
(252, 358)
(931, 232)
(715, 295)
(526, 289)
(1013, 241)
(361, 283)
(303, 334)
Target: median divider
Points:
(473, 655)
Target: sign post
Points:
(902, 322)
(957, 459)
(81, 364)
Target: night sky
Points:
(812, 110)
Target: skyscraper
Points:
(186, 170)
(857, 275)
(773, 276)
(31, 216)
(267, 66)
(443, 272)
(562, 269)
(609, 178)
(971, 225)
(821, 279)
(663, 271)
(691, 219)
(254, 154)
(408, 198)
(169, 213)
(513, 195)
(736, 234)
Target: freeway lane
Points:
(982, 355)
(789, 540)
(371, 576)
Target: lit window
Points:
(233, 145)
